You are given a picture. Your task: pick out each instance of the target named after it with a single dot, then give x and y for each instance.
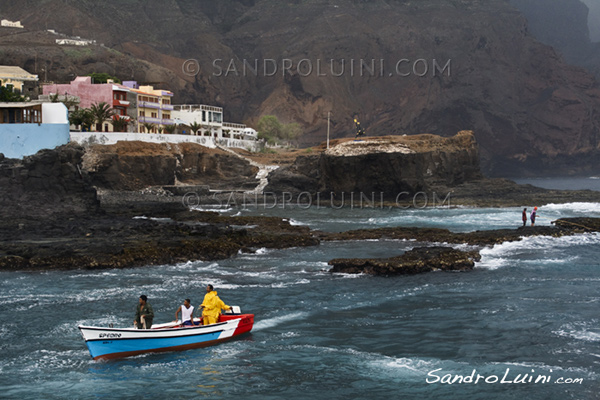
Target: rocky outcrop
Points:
(119, 240)
(416, 261)
(48, 183)
(563, 226)
(384, 166)
(138, 165)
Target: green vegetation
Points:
(10, 95)
(102, 112)
(83, 117)
(195, 127)
(78, 52)
(170, 128)
(274, 132)
(148, 126)
(103, 77)
(119, 123)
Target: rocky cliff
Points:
(138, 165)
(387, 165)
(564, 25)
(48, 183)
(532, 113)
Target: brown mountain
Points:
(531, 112)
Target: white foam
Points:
(576, 207)
(584, 331)
(500, 254)
(272, 322)
(293, 222)
(211, 209)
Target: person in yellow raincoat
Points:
(212, 306)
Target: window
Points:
(154, 115)
(142, 113)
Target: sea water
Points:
(528, 316)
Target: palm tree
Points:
(195, 127)
(82, 117)
(119, 123)
(102, 112)
(148, 126)
(170, 128)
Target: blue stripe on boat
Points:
(102, 347)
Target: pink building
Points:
(112, 94)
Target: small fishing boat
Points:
(108, 343)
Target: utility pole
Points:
(328, 119)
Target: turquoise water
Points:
(528, 306)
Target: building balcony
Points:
(150, 120)
(120, 103)
(167, 122)
(166, 107)
(148, 104)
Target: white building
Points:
(11, 24)
(26, 128)
(75, 42)
(210, 118)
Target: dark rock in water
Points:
(415, 261)
(578, 224)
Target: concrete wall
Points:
(88, 138)
(54, 113)
(19, 140)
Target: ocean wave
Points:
(575, 207)
(293, 222)
(584, 331)
(273, 322)
(216, 209)
(503, 254)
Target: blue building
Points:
(26, 128)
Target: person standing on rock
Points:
(212, 306)
(533, 215)
(144, 314)
(524, 216)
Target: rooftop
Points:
(9, 71)
(19, 104)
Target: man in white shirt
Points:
(187, 313)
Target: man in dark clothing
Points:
(144, 314)
(524, 216)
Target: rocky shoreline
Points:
(76, 208)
